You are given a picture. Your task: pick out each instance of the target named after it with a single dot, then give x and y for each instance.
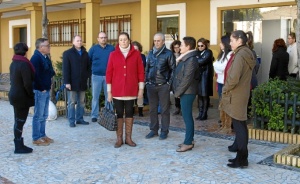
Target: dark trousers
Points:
(159, 95)
(177, 103)
(124, 105)
(203, 104)
(187, 114)
(241, 139)
(20, 119)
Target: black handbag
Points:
(108, 117)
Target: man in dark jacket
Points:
(159, 67)
(76, 71)
(42, 85)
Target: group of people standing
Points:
(122, 74)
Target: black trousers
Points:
(124, 105)
(241, 139)
(20, 119)
(177, 103)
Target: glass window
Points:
(169, 25)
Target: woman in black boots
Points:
(21, 95)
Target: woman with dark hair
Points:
(140, 101)
(219, 67)
(21, 95)
(175, 48)
(292, 50)
(125, 83)
(235, 93)
(185, 86)
(205, 88)
(280, 60)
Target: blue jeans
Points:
(98, 83)
(186, 102)
(220, 87)
(76, 97)
(41, 106)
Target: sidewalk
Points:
(85, 154)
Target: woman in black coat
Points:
(21, 94)
(185, 85)
(280, 60)
(205, 88)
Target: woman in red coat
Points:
(125, 83)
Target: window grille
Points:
(62, 32)
(114, 25)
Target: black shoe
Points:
(232, 160)
(163, 136)
(72, 125)
(94, 119)
(204, 117)
(236, 164)
(82, 122)
(198, 117)
(151, 135)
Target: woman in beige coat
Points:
(235, 94)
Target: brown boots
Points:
(226, 122)
(128, 132)
(119, 133)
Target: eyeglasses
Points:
(45, 45)
(176, 47)
(200, 45)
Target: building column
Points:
(148, 22)
(92, 21)
(35, 23)
(1, 47)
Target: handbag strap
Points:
(109, 105)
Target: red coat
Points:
(124, 74)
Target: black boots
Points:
(20, 148)
(141, 112)
(177, 111)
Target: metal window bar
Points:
(61, 33)
(114, 25)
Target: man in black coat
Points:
(76, 71)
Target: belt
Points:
(156, 84)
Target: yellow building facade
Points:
(142, 18)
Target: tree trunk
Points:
(44, 20)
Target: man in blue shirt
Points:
(99, 55)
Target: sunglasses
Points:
(200, 45)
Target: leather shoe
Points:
(185, 148)
(72, 125)
(163, 136)
(193, 143)
(94, 119)
(238, 164)
(232, 160)
(82, 122)
(151, 135)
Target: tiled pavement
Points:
(85, 154)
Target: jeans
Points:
(98, 83)
(186, 101)
(159, 95)
(41, 106)
(76, 97)
(220, 87)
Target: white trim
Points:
(14, 23)
(215, 4)
(181, 7)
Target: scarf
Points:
(182, 55)
(228, 66)
(124, 51)
(23, 59)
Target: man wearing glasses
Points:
(99, 54)
(42, 84)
